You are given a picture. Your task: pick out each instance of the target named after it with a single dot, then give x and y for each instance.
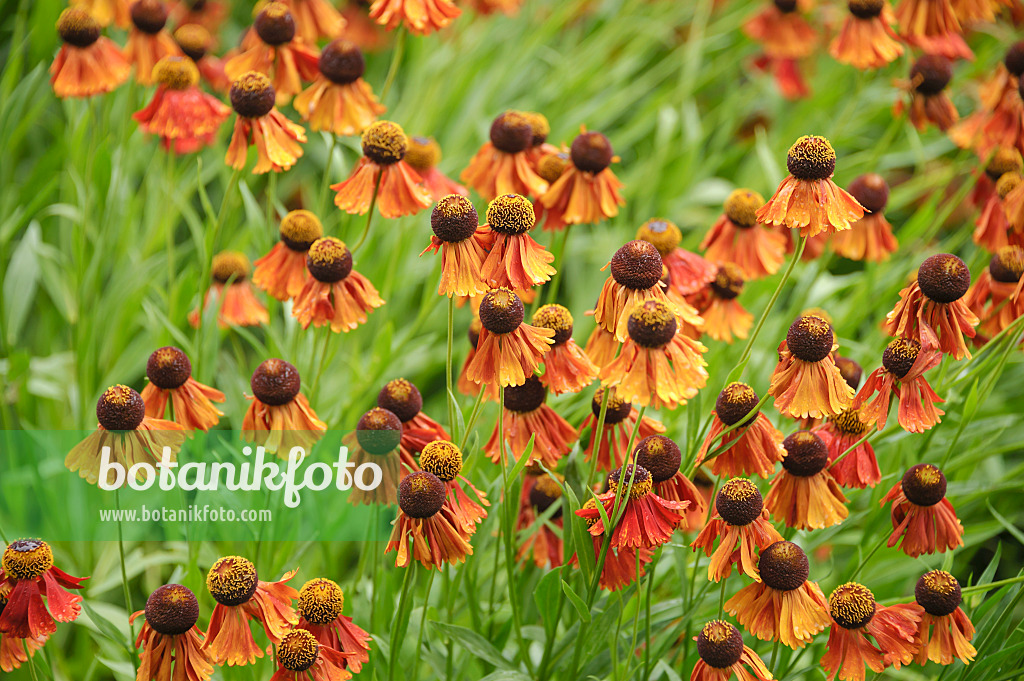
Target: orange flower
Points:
(996, 295)
(209, 14)
(300, 656)
(724, 317)
(781, 30)
(185, 117)
(566, 368)
(170, 378)
(687, 272)
(465, 385)
(282, 272)
(382, 176)
(404, 400)
(526, 415)
(28, 575)
(740, 524)
(808, 198)
(423, 155)
(722, 654)
(463, 245)
(276, 138)
(106, 12)
(539, 540)
(921, 514)
(931, 309)
(929, 103)
(806, 381)
(602, 346)
(869, 238)
(279, 416)
(550, 167)
(508, 350)
(316, 19)
(241, 598)
(945, 631)
(515, 260)
(339, 100)
(334, 294)
(786, 72)
(904, 362)
(1009, 190)
(88, 63)
(587, 191)
(662, 458)
(804, 495)
(855, 616)
(658, 365)
(620, 420)
(932, 27)
(507, 7)
(148, 41)
(647, 521)
(502, 165)
(195, 41)
(169, 640)
(278, 53)
(132, 436)
(13, 650)
(999, 121)
(621, 564)
(859, 468)
(320, 605)
(754, 447)
(420, 17)
(425, 517)
(444, 460)
(739, 238)
(231, 294)
(866, 41)
(636, 271)
(376, 440)
(783, 606)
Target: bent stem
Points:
(326, 183)
(450, 397)
(369, 214)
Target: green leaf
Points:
(513, 475)
(548, 599)
(106, 627)
(474, 644)
(581, 608)
(21, 281)
(506, 675)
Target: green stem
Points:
(721, 601)
(771, 303)
(315, 385)
(991, 585)
(271, 195)
(397, 624)
(473, 415)
(647, 616)
(326, 183)
(423, 625)
(775, 653)
(450, 397)
(369, 215)
(866, 558)
(509, 534)
(124, 572)
(597, 436)
(559, 262)
(396, 58)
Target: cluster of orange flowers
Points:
(658, 305)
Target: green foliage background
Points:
(104, 243)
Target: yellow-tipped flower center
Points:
(230, 265)
(385, 143)
(176, 73)
(443, 459)
(423, 153)
(511, 214)
(298, 650)
(301, 227)
(232, 580)
(320, 601)
(27, 559)
(663, 234)
(852, 605)
(742, 205)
